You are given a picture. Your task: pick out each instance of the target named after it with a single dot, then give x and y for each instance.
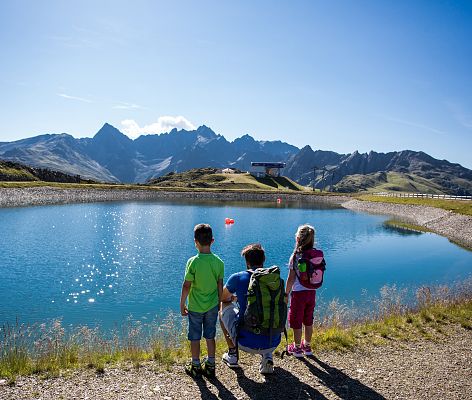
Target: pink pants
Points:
(302, 305)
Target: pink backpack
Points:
(310, 267)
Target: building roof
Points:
(268, 164)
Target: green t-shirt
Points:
(204, 270)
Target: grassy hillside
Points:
(210, 178)
(387, 181)
(15, 172)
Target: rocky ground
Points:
(455, 227)
(424, 369)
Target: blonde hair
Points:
(304, 238)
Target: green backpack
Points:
(266, 311)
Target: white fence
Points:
(423, 196)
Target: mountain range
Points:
(111, 156)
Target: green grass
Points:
(19, 174)
(209, 178)
(388, 181)
(48, 350)
(457, 206)
(405, 226)
(241, 188)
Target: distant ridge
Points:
(15, 172)
(110, 156)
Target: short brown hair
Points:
(203, 234)
(254, 254)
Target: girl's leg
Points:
(308, 315)
(308, 333)
(297, 336)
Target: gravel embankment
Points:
(16, 197)
(414, 370)
(455, 227)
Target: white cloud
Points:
(414, 124)
(66, 96)
(164, 124)
(127, 106)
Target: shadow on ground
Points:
(285, 385)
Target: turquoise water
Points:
(102, 263)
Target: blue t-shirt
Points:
(237, 284)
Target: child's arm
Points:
(183, 297)
(290, 281)
(220, 289)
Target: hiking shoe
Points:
(193, 370)
(295, 350)
(208, 368)
(267, 366)
(230, 359)
(306, 348)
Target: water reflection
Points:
(102, 262)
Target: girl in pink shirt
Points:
(302, 289)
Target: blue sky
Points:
(338, 75)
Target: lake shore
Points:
(48, 195)
(421, 369)
(456, 227)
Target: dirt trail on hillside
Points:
(400, 370)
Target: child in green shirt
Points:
(203, 285)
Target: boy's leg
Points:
(211, 346)
(195, 322)
(209, 331)
(195, 349)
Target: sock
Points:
(211, 360)
(196, 361)
(232, 351)
(297, 344)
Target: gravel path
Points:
(414, 370)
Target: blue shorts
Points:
(202, 321)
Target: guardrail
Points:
(423, 196)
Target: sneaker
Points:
(208, 368)
(306, 348)
(193, 370)
(267, 366)
(294, 350)
(230, 358)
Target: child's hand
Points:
(183, 310)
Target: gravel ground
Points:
(439, 369)
(15, 197)
(455, 227)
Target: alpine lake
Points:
(104, 263)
